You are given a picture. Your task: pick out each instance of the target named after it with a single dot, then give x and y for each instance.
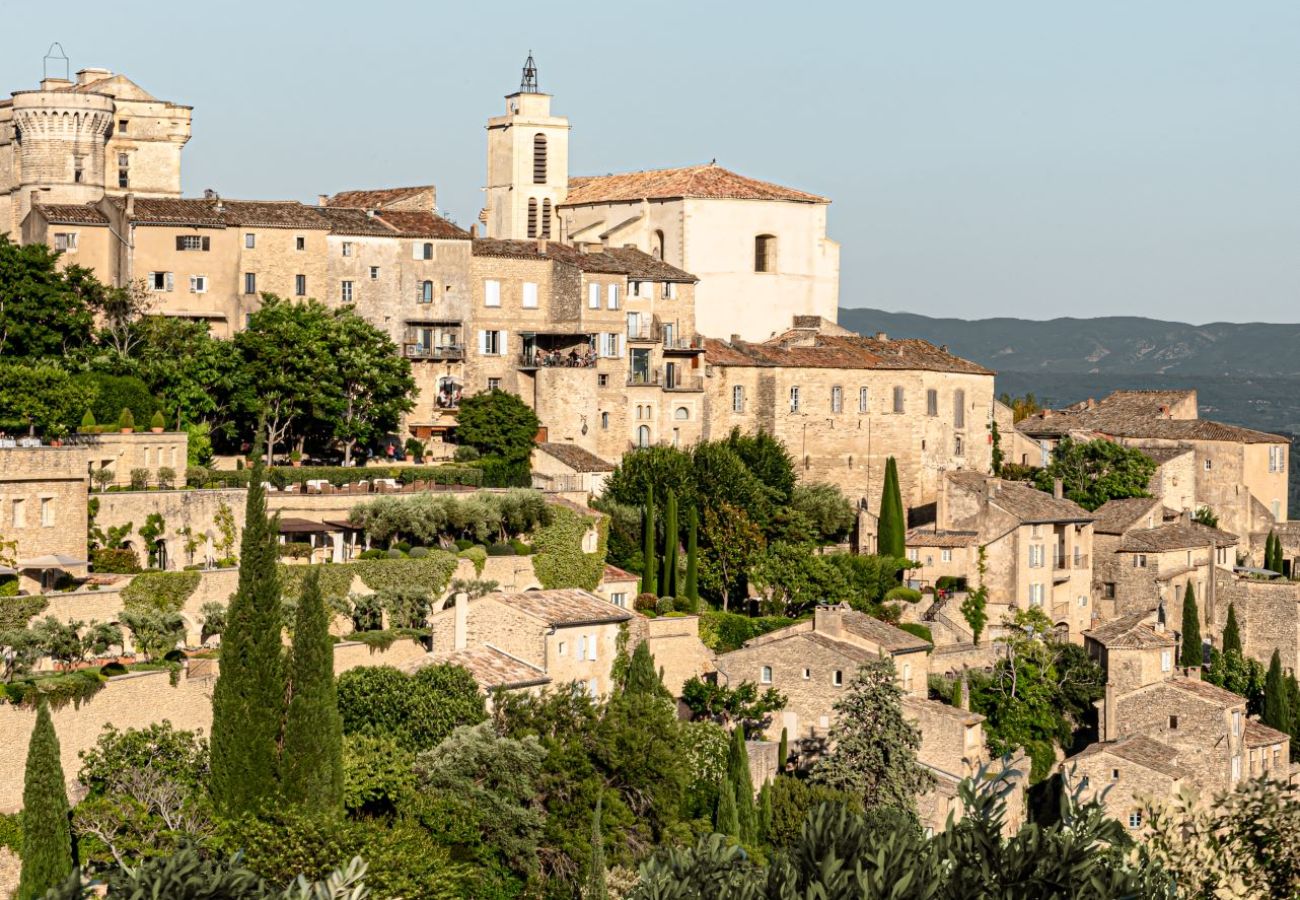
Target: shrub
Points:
(723, 632)
(126, 419)
(296, 550)
(418, 552)
(9, 586)
(161, 591)
(685, 605)
(373, 554)
(951, 583)
(499, 549)
(645, 602)
(477, 555)
(664, 606)
(463, 544)
(904, 594)
(121, 561)
(158, 421)
(404, 546)
(394, 553)
(417, 711)
(520, 548)
(108, 670)
(466, 453)
(464, 476)
(414, 448)
(919, 630)
(88, 422)
(139, 479)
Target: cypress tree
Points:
(596, 889)
(1293, 711)
(47, 836)
(692, 551)
(1231, 633)
(891, 536)
(649, 562)
(672, 536)
(765, 812)
(783, 751)
(1277, 706)
(725, 819)
(1192, 653)
(1271, 554)
(311, 763)
(642, 677)
(741, 787)
(248, 699)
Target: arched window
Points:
(426, 292)
(657, 251)
(546, 218)
(681, 413)
(532, 218)
(643, 436)
(539, 159)
(765, 253)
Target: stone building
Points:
(43, 512)
(1122, 774)
(812, 662)
(760, 249)
(1240, 474)
(942, 554)
(75, 141)
(843, 404)
(1037, 547)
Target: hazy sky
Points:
(984, 158)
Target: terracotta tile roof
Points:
(220, 213)
(924, 537)
(627, 261)
(1143, 404)
(353, 221)
(1140, 749)
(1118, 516)
(72, 214)
(173, 211)
(1130, 632)
(894, 640)
(494, 668)
(410, 223)
(1136, 414)
(1026, 503)
(576, 458)
(614, 573)
(809, 349)
(1174, 536)
(563, 607)
(859, 654)
(1206, 691)
(378, 199)
(1257, 734)
(706, 182)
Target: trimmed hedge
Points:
(16, 612)
(160, 591)
(296, 549)
(121, 562)
(466, 476)
(919, 630)
(905, 594)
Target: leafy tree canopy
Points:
(1093, 472)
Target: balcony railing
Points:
(423, 351)
(556, 359)
(669, 380)
(1077, 561)
(643, 333)
(683, 345)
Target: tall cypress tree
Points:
(692, 553)
(596, 889)
(672, 536)
(311, 762)
(1277, 702)
(1193, 654)
(725, 819)
(642, 677)
(738, 783)
(783, 751)
(1231, 632)
(891, 536)
(649, 561)
(765, 813)
(47, 836)
(248, 699)
(1271, 554)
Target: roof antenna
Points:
(529, 83)
(51, 56)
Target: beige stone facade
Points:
(43, 510)
(674, 642)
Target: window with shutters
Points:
(546, 218)
(426, 250)
(837, 399)
(66, 242)
(532, 218)
(898, 399)
(494, 384)
(738, 399)
(47, 512)
(593, 296)
(192, 242)
(426, 291)
(490, 344)
(198, 284)
(300, 285)
(1036, 595)
(670, 290)
(530, 295)
(491, 293)
(932, 402)
(959, 409)
(643, 436)
(160, 281)
(863, 398)
(123, 170)
(765, 253)
(345, 291)
(250, 283)
(347, 248)
(539, 159)
(611, 296)
(374, 273)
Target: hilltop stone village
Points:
(632, 313)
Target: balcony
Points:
(537, 358)
(683, 345)
(666, 379)
(1063, 565)
(422, 351)
(642, 334)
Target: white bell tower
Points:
(527, 164)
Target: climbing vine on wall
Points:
(428, 575)
(160, 591)
(558, 559)
(16, 612)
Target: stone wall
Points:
(142, 449)
(1268, 617)
(1120, 785)
(675, 644)
(1202, 734)
(43, 504)
(195, 510)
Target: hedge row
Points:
(429, 574)
(466, 476)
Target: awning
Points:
(51, 561)
(343, 525)
(303, 526)
(5, 570)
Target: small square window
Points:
(374, 273)
(494, 384)
(300, 243)
(250, 241)
(1135, 819)
(121, 126)
(1173, 723)
(602, 381)
(838, 679)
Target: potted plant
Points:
(126, 421)
(157, 424)
(295, 458)
(87, 423)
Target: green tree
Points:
(154, 632)
(793, 579)
(831, 514)
(734, 541)
(998, 454)
(783, 751)
(40, 397)
(726, 818)
(199, 378)
(1231, 632)
(374, 381)
(1205, 516)
(1192, 652)
(874, 755)
(767, 459)
(649, 559)
(47, 838)
(891, 534)
(311, 761)
(248, 699)
(498, 425)
(1277, 711)
(45, 312)
(418, 711)
(672, 537)
(741, 788)
(596, 889)
(1093, 472)
(974, 609)
(743, 705)
(692, 589)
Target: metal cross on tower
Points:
(529, 83)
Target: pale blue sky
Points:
(984, 158)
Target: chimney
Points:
(735, 339)
(1108, 726)
(473, 232)
(1186, 516)
(35, 197)
(322, 199)
(460, 632)
(130, 206)
(882, 337)
(1058, 489)
(963, 698)
(829, 620)
(541, 246)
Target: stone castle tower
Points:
(75, 141)
(527, 164)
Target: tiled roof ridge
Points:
(681, 181)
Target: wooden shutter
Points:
(180, 242)
(505, 351)
(207, 243)
(482, 342)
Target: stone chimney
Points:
(460, 633)
(541, 246)
(829, 620)
(1107, 725)
(963, 688)
(882, 337)
(35, 197)
(322, 199)
(1186, 516)
(473, 232)
(735, 339)
(130, 206)
(1058, 489)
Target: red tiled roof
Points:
(1257, 734)
(221, 213)
(892, 639)
(808, 349)
(410, 223)
(494, 668)
(614, 573)
(1175, 536)
(1026, 503)
(627, 261)
(707, 182)
(352, 221)
(1136, 414)
(1130, 632)
(378, 199)
(1118, 516)
(563, 607)
(72, 214)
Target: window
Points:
(1037, 554)
(619, 599)
(932, 402)
(347, 248)
(807, 673)
(121, 126)
(1108, 590)
(300, 285)
(738, 399)
(426, 250)
(643, 436)
(837, 679)
(946, 554)
(374, 273)
(1236, 768)
(491, 293)
(77, 170)
(250, 282)
(494, 384)
(907, 676)
(47, 512)
(593, 296)
(765, 253)
(20, 514)
(837, 399)
(1236, 722)
(426, 292)
(958, 445)
(913, 554)
(539, 159)
(532, 218)
(66, 241)
(198, 284)
(669, 291)
(345, 291)
(563, 647)
(1083, 600)
(959, 409)
(591, 647)
(1139, 560)
(657, 245)
(611, 296)
(898, 399)
(123, 170)
(582, 646)
(604, 421)
(1036, 594)
(192, 242)
(1114, 774)
(794, 399)
(602, 380)
(1276, 459)
(250, 241)
(491, 343)
(863, 397)
(546, 218)
(1208, 465)
(766, 676)
(300, 243)
(1135, 819)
